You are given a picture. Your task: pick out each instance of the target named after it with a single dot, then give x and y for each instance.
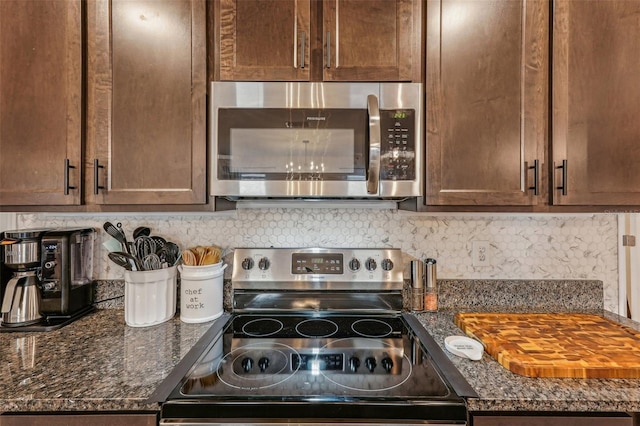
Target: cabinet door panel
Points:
(40, 101)
(376, 40)
(262, 39)
(147, 88)
(486, 100)
(596, 102)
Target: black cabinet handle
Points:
(67, 166)
(328, 49)
(563, 186)
(96, 176)
(303, 42)
(536, 171)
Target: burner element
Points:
(371, 327)
(317, 327)
(262, 327)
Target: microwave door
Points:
(373, 170)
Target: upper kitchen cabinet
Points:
(263, 39)
(146, 102)
(371, 40)
(487, 102)
(310, 40)
(596, 102)
(40, 102)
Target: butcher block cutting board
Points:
(556, 345)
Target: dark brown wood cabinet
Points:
(40, 102)
(146, 102)
(308, 40)
(80, 419)
(487, 102)
(596, 102)
(591, 419)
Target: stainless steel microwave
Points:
(315, 141)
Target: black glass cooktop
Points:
(306, 357)
(300, 366)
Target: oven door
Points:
(314, 140)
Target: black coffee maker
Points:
(61, 262)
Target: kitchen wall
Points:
(542, 246)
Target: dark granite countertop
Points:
(501, 390)
(97, 363)
(100, 364)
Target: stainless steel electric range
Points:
(317, 336)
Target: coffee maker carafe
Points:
(21, 301)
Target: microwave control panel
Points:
(397, 145)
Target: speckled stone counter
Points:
(94, 364)
(501, 390)
(100, 364)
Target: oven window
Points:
(292, 144)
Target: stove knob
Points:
(354, 363)
(354, 265)
(387, 364)
(370, 264)
(247, 364)
(387, 264)
(370, 363)
(263, 363)
(247, 263)
(264, 264)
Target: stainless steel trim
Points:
(296, 422)
(354, 303)
(279, 272)
(373, 171)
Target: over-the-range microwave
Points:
(316, 141)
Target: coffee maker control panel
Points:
(52, 265)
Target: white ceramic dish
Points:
(465, 347)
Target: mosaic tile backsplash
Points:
(519, 247)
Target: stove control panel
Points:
(272, 268)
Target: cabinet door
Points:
(40, 102)
(263, 39)
(596, 102)
(486, 101)
(146, 112)
(372, 40)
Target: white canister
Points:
(201, 292)
(149, 296)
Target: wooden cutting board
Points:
(556, 345)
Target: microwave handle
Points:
(373, 171)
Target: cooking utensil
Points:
(141, 231)
(159, 241)
(151, 262)
(189, 258)
(118, 259)
(144, 246)
(126, 260)
(169, 253)
(118, 234)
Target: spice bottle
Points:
(431, 291)
(417, 286)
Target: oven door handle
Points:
(373, 171)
